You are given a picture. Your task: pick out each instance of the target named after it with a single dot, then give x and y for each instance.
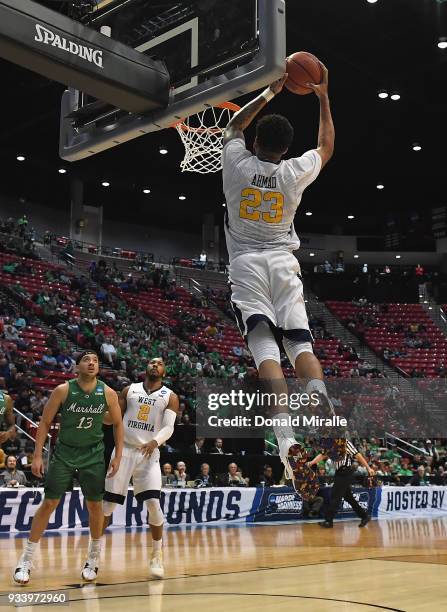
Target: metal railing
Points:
(23, 431)
(404, 446)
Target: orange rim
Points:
(180, 124)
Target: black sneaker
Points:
(365, 520)
(326, 524)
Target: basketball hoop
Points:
(202, 136)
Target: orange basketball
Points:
(303, 68)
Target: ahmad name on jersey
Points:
(262, 198)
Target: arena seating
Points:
(378, 336)
(163, 310)
(34, 281)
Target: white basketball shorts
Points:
(145, 474)
(266, 286)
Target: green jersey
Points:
(82, 416)
(2, 407)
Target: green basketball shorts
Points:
(86, 464)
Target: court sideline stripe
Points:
(357, 603)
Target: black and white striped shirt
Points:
(347, 460)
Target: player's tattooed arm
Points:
(55, 401)
(242, 119)
(326, 133)
(118, 429)
(122, 399)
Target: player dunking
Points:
(83, 403)
(263, 192)
(149, 409)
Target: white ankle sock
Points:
(94, 546)
(316, 386)
(283, 431)
(28, 550)
(156, 545)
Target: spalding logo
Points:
(48, 37)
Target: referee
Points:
(344, 476)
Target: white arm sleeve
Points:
(167, 428)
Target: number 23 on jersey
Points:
(253, 198)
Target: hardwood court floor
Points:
(390, 565)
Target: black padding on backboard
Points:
(64, 50)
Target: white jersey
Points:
(262, 198)
(144, 414)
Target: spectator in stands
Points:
(108, 351)
(11, 476)
(204, 478)
(23, 402)
(20, 322)
(66, 363)
(420, 478)
(12, 445)
(202, 259)
(217, 449)
(5, 373)
(167, 475)
(197, 447)
(48, 361)
(37, 402)
(403, 469)
(25, 458)
(431, 451)
(181, 476)
(211, 330)
(234, 477)
(440, 477)
(266, 479)
(11, 333)
(2, 460)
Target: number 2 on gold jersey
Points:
(253, 199)
(143, 412)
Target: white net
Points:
(202, 136)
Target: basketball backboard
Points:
(215, 51)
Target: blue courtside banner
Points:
(227, 505)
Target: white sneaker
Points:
(156, 565)
(22, 571)
(90, 570)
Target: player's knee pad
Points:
(262, 344)
(156, 516)
(108, 507)
(293, 349)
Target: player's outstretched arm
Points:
(316, 460)
(118, 430)
(326, 133)
(56, 399)
(167, 426)
(242, 119)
